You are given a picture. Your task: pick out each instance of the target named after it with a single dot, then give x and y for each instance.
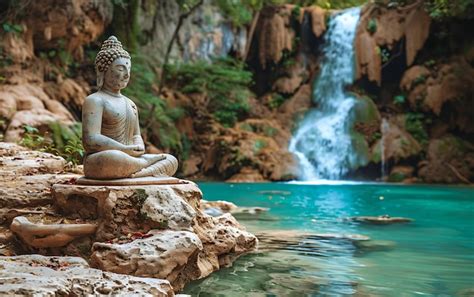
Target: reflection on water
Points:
(306, 248)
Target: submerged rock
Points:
(71, 276)
(380, 220)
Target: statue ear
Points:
(100, 79)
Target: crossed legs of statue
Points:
(113, 164)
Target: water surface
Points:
(432, 256)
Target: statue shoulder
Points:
(131, 101)
(94, 99)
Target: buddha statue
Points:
(111, 132)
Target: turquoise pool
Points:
(431, 256)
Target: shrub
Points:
(225, 83)
(157, 118)
(415, 124)
(63, 141)
(372, 26)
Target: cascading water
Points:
(323, 142)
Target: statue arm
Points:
(137, 137)
(93, 140)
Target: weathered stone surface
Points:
(224, 239)
(444, 89)
(396, 143)
(450, 160)
(318, 19)
(55, 276)
(207, 244)
(128, 209)
(388, 29)
(164, 255)
(26, 176)
(274, 34)
(38, 118)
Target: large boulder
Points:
(163, 255)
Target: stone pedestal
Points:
(155, 231)
(122, 210)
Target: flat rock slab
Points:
(71, 276)
(121, 210)
(131, 181)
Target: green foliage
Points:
(333, 4)
(12, 28)
(419, 80)
(258, 145)
(444, 9)
(372, 26)
(396, 177)
(296, 12)
(399, 100)
(384, 54)
(276, 101)
(415, 124)
(62, 141)
(239, 12)
(154, 111)
(225, 83)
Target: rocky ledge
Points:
(157, 234)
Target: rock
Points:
(400, 173)
(389, 27)
(72, 276)
(8, 105)
(191, 166)
(254, 210)
(297, 105)
(443, 91)
(127, 209)
(449, 160)
(247, 175)
(69, 92)
(38, 118)
(223, 239)
(318, 19)
(222, 205)
(380, 220)
(18, 160)
(72, 23)
(398, 144)
(274, 34)
(418, 29)
(163, 255)
(369, 62)
(412, 76)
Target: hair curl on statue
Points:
(110, 51)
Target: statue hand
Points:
(134, 150)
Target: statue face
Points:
(118, 74)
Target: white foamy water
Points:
(323, 143)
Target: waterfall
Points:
(323, 143)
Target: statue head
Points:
(112, 65)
